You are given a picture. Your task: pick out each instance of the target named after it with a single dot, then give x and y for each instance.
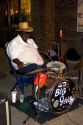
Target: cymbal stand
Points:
(38, 86)
(38, 95)
(78, 91)
(49, 57)
(60, 45)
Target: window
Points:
(26, 9)
(20, 10)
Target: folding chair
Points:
(22, 81)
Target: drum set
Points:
(54, 92)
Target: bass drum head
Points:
(61, 96)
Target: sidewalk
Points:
(74, 117)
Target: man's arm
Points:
(18, 62)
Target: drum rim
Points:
(49, 65)
(51, 92)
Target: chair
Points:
(72, 58)
(22, 81)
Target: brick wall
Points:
(66, 19)
(43, 14)
(52, 15)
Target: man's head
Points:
(24, 35)
(24, 30)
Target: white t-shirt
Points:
(25, 52)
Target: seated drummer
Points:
(23, 51)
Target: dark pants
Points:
(30, 68)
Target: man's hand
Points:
(18, 62)
(21, 64)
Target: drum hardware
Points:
(60, 76)
(41, 103)
(37, 71)
(79, 68)
(56, 98)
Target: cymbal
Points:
(37, 70)
(79, 66)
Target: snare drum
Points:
(56, 66)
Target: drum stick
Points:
(65, 77)
(36, 71)
(49, 57)
(73, 78)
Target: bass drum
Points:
(60, 96)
